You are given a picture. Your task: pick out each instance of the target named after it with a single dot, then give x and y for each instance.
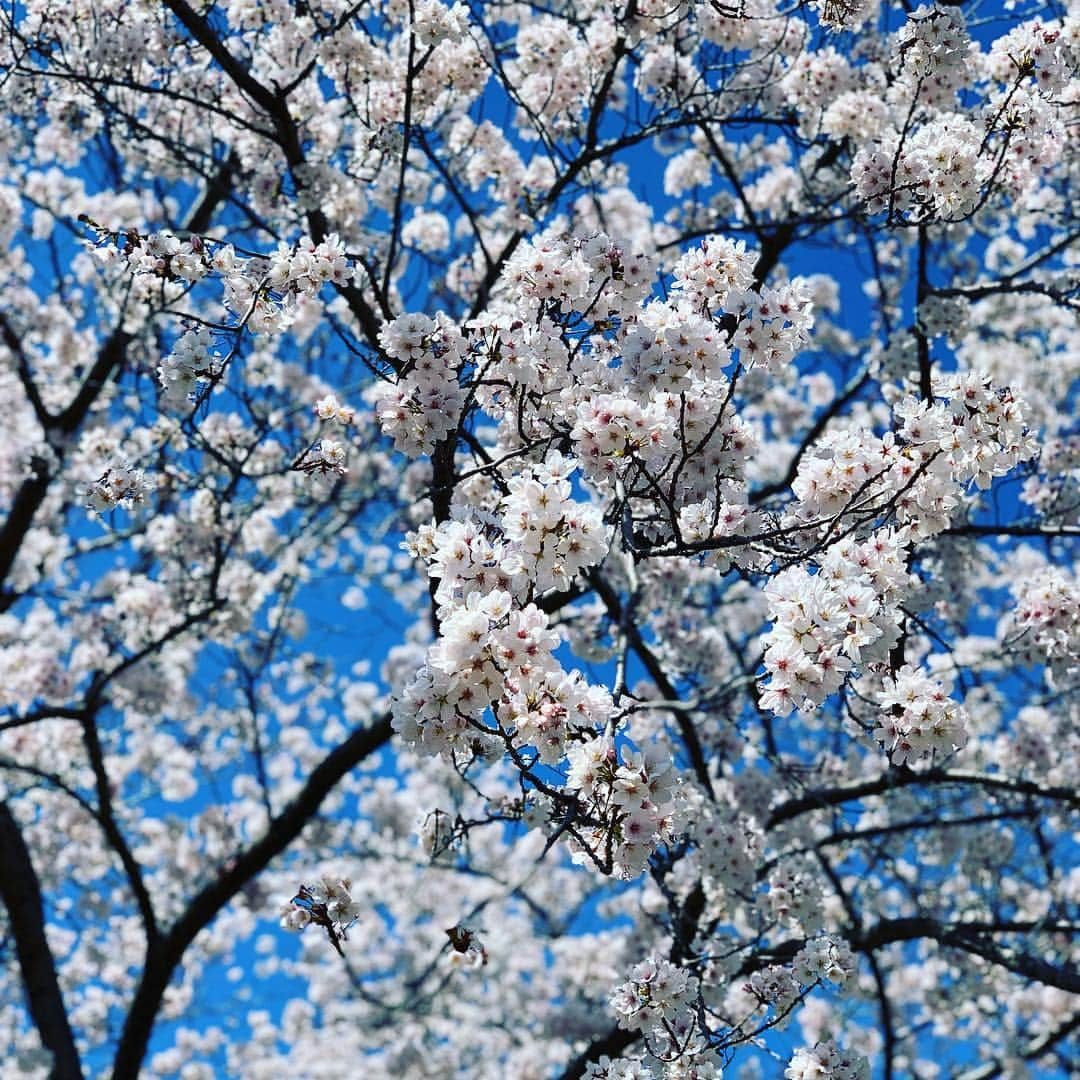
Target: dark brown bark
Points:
(21, 894)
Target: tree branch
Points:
(203, 908)
(21, 893)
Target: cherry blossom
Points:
(539, 540)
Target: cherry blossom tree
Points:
(539, 539)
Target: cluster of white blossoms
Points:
(492, 654)
(659, 999)
(540, 538)
(730, 519)
(980, 428)
(775, 986)
(936, 173)
(1046, 623)
(826, 1061)
(917, 717)
(192, 360)
(572, 337)
(554, 537)
(827, 622)
(933, 51)
(422, 405)
(775, 325)
(265, 294)
(727, 847)
(329, 456)
(1048, 53)
(631, 799)
(121, 485)
(944, 316)
(434, 22)
(938, 169)
(306, 267)
(715, 272)
(329, 408)
(794, 899)
(921, 470)
(693, 1066)
(825, 957)
(941, 164)
(164, 255)
(670, 348)
(327, 903)
(467, 554)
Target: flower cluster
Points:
(330, 455)
(658, 999)
(1042, 51)
(920, 471)
(775, 325)
(631, 797)
(1046, 622)
(936, 173)
(824, 957)
(826, 1061)
(933, 51)
(944, 316)
(918, 717)
(983, 432)
(192, 360)
(423, 404)
(306, 267)
(491, 654)
(671, 348)
(433, 22)
(794, 900)
(731, 519)
(620, 1069)
(540, 538)
(265, 294)
(120, 485)
(554, 536)
(467, 554)
(777, 987)
(329, 408)
(826, 623)
(572, 337)
(781, 988)
(164, 255)
(728, 847)
(715, 274)
(327, 904)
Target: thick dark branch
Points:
(1049, 532)
(107, 817)
(275, 105)
(21, 894)
(204, 907)
(825, 797)
(204, 34)
(26, 374)
(24, 506)
(217, 190)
